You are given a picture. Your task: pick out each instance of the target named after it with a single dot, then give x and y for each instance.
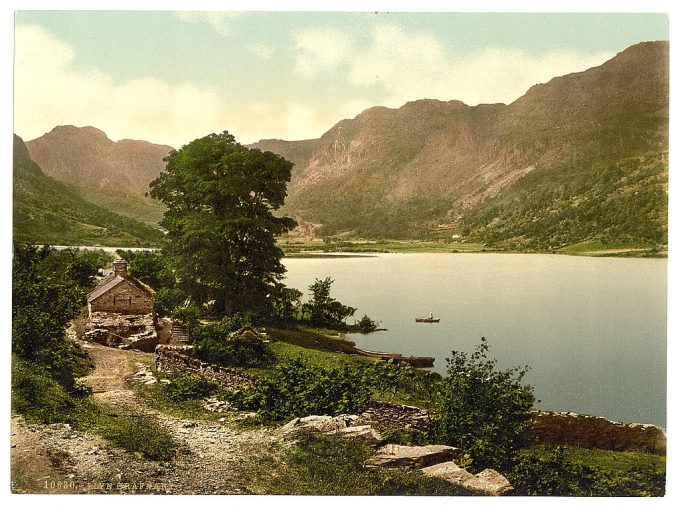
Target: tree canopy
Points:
(221, 230)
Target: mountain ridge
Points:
(47, 211)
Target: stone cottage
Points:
(120, 293)
(121, 311)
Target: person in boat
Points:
(431, 316)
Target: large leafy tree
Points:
(221, 229)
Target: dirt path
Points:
(213, 456)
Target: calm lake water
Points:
(593, 330)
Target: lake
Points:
(592, 330)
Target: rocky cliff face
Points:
(403, 170)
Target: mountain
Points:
(114, 175)
(581, 157)
(47, 211)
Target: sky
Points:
(170, 77)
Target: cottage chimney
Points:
(120, 268)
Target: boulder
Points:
(318, 424)
(365, 433)
(393, 456)
(488, 482)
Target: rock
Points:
(364, 432)
(215, 405)
(318, 424)
(393, 456)
(488, 482)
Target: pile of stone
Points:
(385, 415)
(432, 460)
(145, 341)
(144, 374)
(135, 332)
(218, 406)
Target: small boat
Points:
(427, 320)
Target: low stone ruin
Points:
(568, 428)
(180, 359)
(122, 331)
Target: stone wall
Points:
(179, 359)
(384, 415)
(567, 428)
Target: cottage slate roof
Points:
(108, 283)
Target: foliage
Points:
(185, 387)
(556, 475)
(166, 300)
(323, 465)
(324, 311)
(36, 395)
(482, 410)
(367, 325)
(297, 388)
(220, 199)
(213, 343)
(286, 306)
(45, 297)
(624, 203)
(188, 315)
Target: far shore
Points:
(318, 248)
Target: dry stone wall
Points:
(567, 428)
(385, 415)
(180, 359)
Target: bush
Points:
(323, 310)
(367, 325)
(299, 389)
(185, 387)
(36, 395)
(212, 343)
(484, 411)
(555, 475)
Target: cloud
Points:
(400, 66)
(219, 21)
(50, 92)
(320, 49)
(262, 51)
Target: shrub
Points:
(185, 387)
(367, 325)
(298, 389)
(167, 299)
(486, 412)
(323, 310)
(36, 395)
(212, 343)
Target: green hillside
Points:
(49, 212)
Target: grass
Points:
(40, 399)
(324, 465)
(613, 460)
